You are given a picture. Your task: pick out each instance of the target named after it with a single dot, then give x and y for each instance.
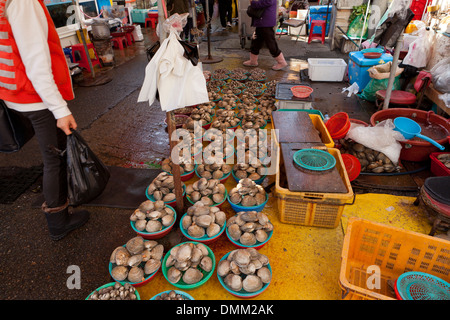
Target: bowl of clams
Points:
(210, 192)
(115, 291)
(136, 262)
(247, 196)
(202, 223)
(217, 171)
(256, 171)
(188, 265)
(172, 295)
(163, 188)
(153, 220)
(245, 273)
(187, 170)
(249, 229)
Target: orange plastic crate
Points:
(394, 250)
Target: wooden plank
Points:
(294, 126)
(303, 180)
(432, 94)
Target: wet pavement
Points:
(127, 134)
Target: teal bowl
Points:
(259, 181)
(155, 235)
(205, 239)
(258, 245)
(238, 208)
(242, 293)
(170, 203)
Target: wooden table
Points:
(432, 94)
(294, 126)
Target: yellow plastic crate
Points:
(313, 208)
(324, 134)
(394, 250)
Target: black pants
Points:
(49, 137)
(210, 7)
(265, 35)
(225, 12)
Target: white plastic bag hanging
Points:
(419, 50)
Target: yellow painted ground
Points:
(305, 260)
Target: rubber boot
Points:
(281, 63)
(61, 222)
(253, 62)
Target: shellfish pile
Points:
(200, 220)
(249, 227)
(445, 159)
(225, 119)
(209, 192)
(152, 216)
(214, 96)
(251, 120)
(253, 170)
(220, 74)
(185, 167)
(247, 193)
(136, 259)
(371, 160)
(213, 171)
(116, 292)
(238, 74)
(245, 269)
(171, 295)
(187, 261)
(162, 187)
(228, 101)
(257, 74)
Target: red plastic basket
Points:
(301, 91)
(352, 166)
(338, 125)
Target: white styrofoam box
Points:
(294, 31)
(137, 33)
(326, 69)
(293, 104)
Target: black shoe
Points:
(62, 222)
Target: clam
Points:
(206, 264)
(119, 273)
(196, 231)
(261, 235)
(136, 274)
(140, 225)
(157, 252)
(234, 282)
(252, 283)
(265, 274)
(149, 244)
(192, 275)
(223, 268)
(153, 226)
(167, 220)
(135, 260)
(203, 221)
(151, 266)
(242, 257)
(184, 252)
(247, 239)
(235, 232)
(186, 221)
(212, 230)
(174, 275)
(121, 256)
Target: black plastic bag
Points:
(15, 129)
(190, 51)
(87, 176)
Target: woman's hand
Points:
(66, 124)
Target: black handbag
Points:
(87, 175)
(255, 13)
(15, 129)
(151, 51)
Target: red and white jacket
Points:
(33, 69)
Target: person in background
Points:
(177, 6)
(35, 81)
(225, 13)
(264, 33)
(189, 24)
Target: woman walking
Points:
(264, 33)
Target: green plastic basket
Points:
(314, 159)
(206, 275)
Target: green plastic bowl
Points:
(112, 284)
(206, 275)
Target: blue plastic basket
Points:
(421, 286)
(314, 159)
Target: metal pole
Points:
(397, 49)
(364, 25)
(209, 58)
